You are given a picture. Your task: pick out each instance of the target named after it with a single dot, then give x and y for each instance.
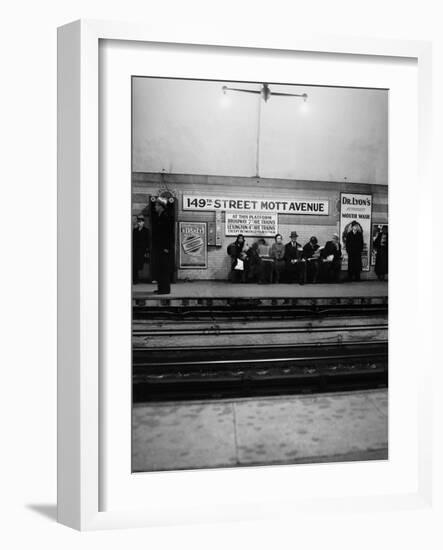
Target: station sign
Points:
(251, 224)
(305, 207)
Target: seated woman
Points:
(235, 251)
(277, 253)
(330, 257)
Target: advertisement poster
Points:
(357, 208)
(251, 225)
(193, 250)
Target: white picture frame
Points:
(80, 297)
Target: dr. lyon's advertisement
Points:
(356, 208)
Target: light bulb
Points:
(304, 107)
(225, 101)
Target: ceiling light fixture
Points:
(265, 92)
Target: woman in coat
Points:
(235, 250)
(381, 258)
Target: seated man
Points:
(295, 264)
(330, 257)
(311, 254)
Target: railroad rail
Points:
(220, 372)
(205, 348)
(218, 329)
(271, 308)
(243, 333)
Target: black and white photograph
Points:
(260, 274)
(217, 339)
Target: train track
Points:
(215, 328)
(241, 333)
(225, 372)
(250, 347)
(254, 309)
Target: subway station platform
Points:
(335, 427)
(202, 291)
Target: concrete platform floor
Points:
(222, 289)
(336, 427)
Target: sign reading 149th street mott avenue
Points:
(251, 224)
(305, 207)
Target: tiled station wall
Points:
(147, 184)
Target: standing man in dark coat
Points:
(295, 264)
(140, 244)
(354, 248)
(162, 243)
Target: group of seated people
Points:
(285, 263)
